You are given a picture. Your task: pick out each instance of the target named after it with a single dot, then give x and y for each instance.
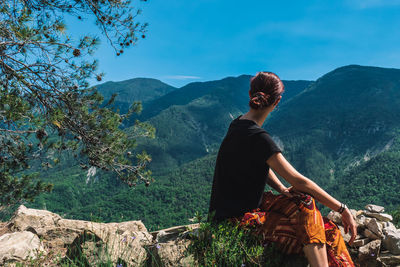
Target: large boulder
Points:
(97, 247)
(124, 241)
(33, 220)
(19, 247)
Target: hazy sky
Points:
(210, 39)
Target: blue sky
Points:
(204, 40)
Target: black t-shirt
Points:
(241, 170)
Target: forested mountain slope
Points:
(375, 179)
(348, 114)
(341, 131)
(195, 118)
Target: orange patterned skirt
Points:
(294, 222)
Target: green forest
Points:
(326, 129)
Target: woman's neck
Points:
(258, 116)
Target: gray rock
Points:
(346, 237)
(117, 239)
(360, 221)
(105, 245)
(375, 227)
(19, 247)
(369, 251)
(389, 259)
(368, 233)
(168, 234)
(170, 246)
(360, 242)
(392, 242)
(388, 226)
(380, 216)
(334, 216)
(33, 220)
(374, 208)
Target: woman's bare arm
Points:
(301, 183)
(274, 182)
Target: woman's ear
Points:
(277, 101)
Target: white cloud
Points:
(182, 77)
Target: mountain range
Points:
(342, 131)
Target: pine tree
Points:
(47, 106)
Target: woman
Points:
(246, 162)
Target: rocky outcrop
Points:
(378, 240)
(116, 242)
(43, 236)
(49, 239)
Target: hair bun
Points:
(259, 100)
(265, 89)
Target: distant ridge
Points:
(230, 85)
(136, 89)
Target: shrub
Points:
(227, 244)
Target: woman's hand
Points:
(349, 224)
(286, 191)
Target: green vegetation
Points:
(396, 217)
(171, 200)
(227, 244)
(376, 180)
(46, 104)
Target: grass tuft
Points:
(227, 244)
